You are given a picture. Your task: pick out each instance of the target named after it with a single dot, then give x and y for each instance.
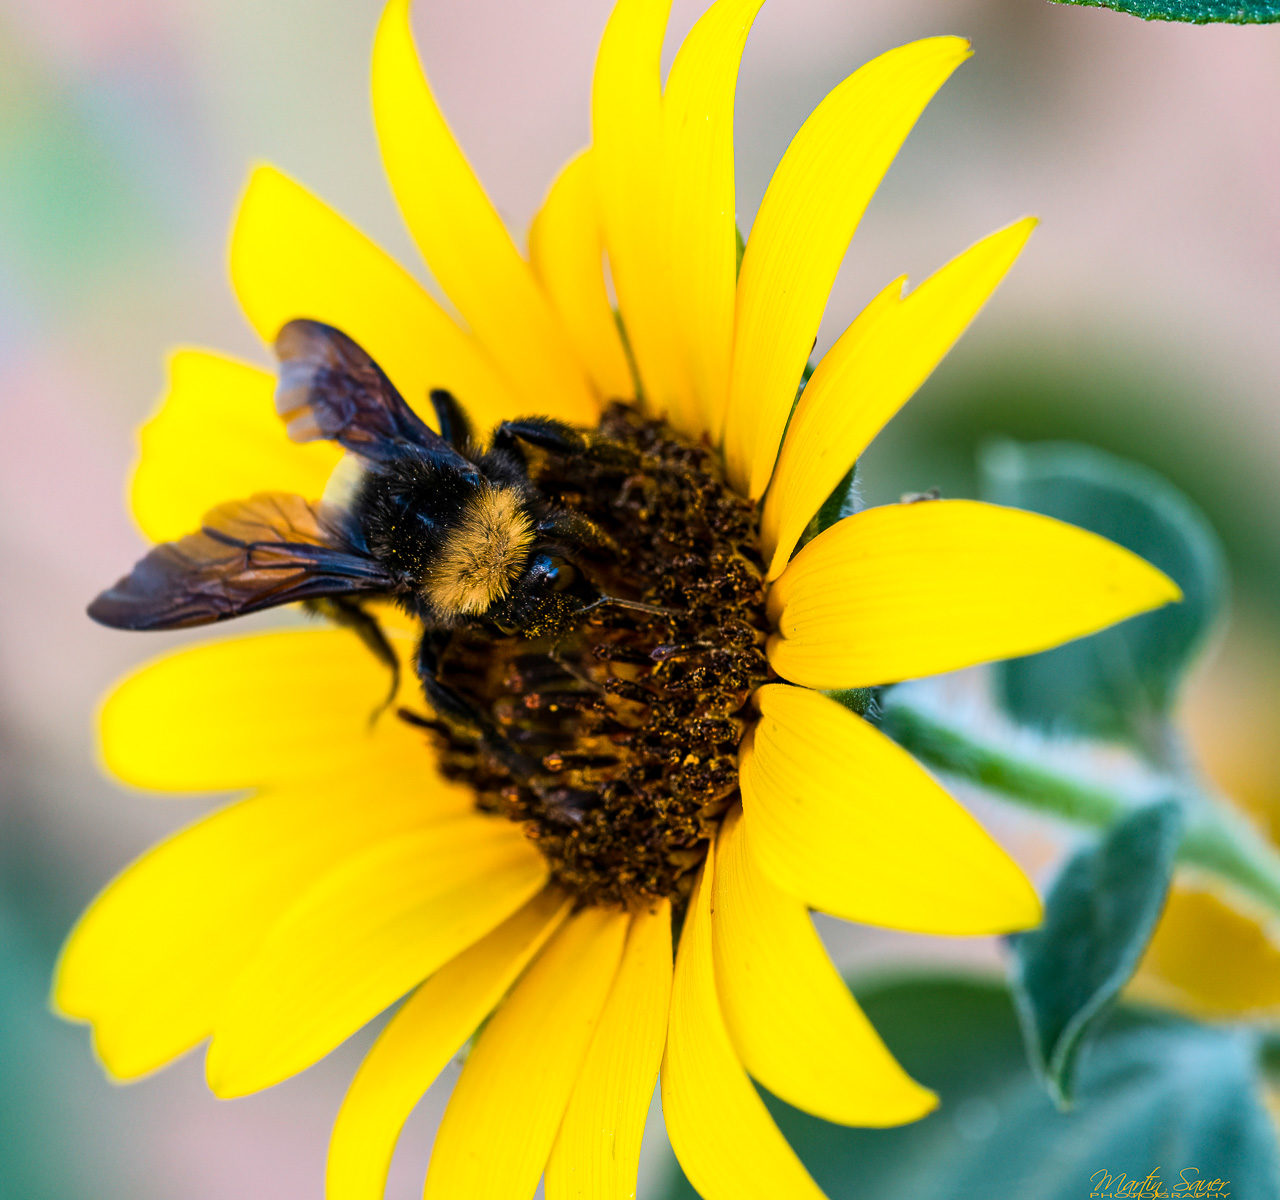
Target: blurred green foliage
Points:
(52, 1145)
(1121, 683)
(1111, 397)
(1157, 1093)
(1197, 12)
(70, 210)
(1098, 918)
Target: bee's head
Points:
(544, 598)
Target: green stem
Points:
(957, 752)
(1217, 839)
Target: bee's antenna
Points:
(636, 605)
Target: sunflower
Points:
(693, 785)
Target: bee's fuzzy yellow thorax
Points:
(482, 555)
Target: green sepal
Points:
(864, 701)
(1194, 12)
(629, 354)
(1122, 683)
(844, 501)
(1098, 918)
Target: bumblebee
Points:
(451, 533)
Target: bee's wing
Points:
(250, 554)
(330, 388)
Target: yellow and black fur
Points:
(453, 533)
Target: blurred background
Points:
(1143, 319)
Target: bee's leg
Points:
(455, 427)
(573, 529)
(350, 615)
(443, 699)
(556, 437)
(454, 710)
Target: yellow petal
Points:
(773, 534)
(362, 937)
(1211, 959)
(720, 1130)
(419, 1041)
(848, 822)
(462, 237)
(870, 373)
(216, 436)
(812, 206)
(909, 590)
(293, 256)
(151, 959)
(597, 1151)
(702, 238)
(498, 1130)
(566, 246)
(792, 1020)
(627, 156)
(254, 710)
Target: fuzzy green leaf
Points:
(1121, 683)
(1099, 916)
(1157, 1093)
(1195, 12)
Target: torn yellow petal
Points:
(701, 217)
(293, 256)
(1211, 959)
(870, 373)
(215, 436)
(498, 1130)
(419, 1041)
(627, 157)
(461, 236)
(847, 821)
(791, 1017)
(361, 938)
(250, 711)
(151, 959)
(812, 206)
(597, 1151)
(909, 590)
(720, 1130)
(566, 246)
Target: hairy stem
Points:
(1217, 839)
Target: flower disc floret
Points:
(626, 729)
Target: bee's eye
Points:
(557, 574)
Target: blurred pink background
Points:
(1144, 315)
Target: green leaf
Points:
(1162, 1094)
(1121, 683)
(1099, 916)
(1196, 12)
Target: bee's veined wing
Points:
(330, 388)
(271, 549)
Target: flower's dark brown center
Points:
(624, 732)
